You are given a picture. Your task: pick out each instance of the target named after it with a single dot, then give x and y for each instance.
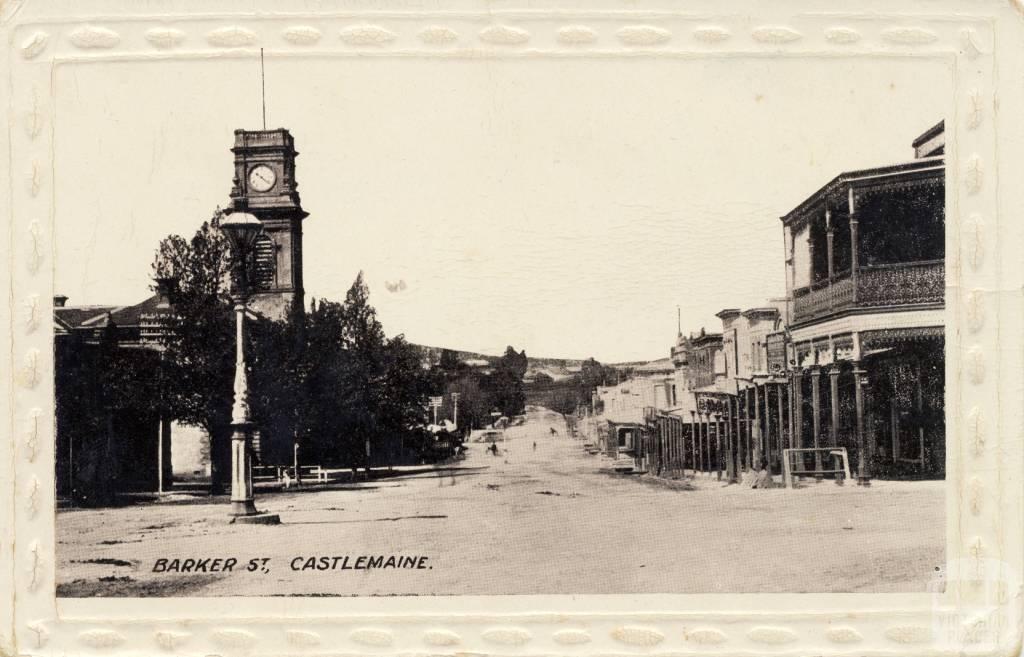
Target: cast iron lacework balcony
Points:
(900, 284)
(870, 239)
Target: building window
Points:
(265, 266)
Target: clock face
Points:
(261, 178)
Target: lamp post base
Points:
(243, 508)
(245, 513)
(258, 519)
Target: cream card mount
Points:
(595, 328)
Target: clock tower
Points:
(264, 186)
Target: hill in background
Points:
(557, 368)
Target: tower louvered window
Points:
(265, 265)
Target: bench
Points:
(266, 473)
(283, 474)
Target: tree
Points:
(320, 376)
(474, 402)
(199, 341)
(331, 381)
(506, 382)
(199, 338)
(406, 385)
(564, 400)
(450, 365)
(362, 377)
(566, 395)
(593, 374)
(359, 386)
(279, 367)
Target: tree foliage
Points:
(330, 381)
(568, 395)
(506, 382)
(199, 337)
(358, 385)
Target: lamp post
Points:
(241, 230)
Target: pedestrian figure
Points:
(764, 478)
(535, 445)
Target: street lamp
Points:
(241, 230)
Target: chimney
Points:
(167, 291)
(59, 300)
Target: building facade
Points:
(753, 388)
(865, 270)
(850, 361)
(104, 443)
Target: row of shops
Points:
(843, 376)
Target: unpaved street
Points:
(542, 520)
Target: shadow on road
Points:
(345, 522)
(191, 493)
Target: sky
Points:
(563, 206)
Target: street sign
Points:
(436, 401)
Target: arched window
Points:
(265, 266)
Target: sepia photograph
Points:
(490, 327)
(366, 328)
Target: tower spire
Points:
(679, 320)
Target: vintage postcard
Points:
(515, 328)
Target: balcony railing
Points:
(900, 284)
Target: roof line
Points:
(915, 166)
(91, 320)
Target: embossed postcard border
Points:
(981, 43)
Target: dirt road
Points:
(543, 520)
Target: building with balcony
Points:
(865, 279)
